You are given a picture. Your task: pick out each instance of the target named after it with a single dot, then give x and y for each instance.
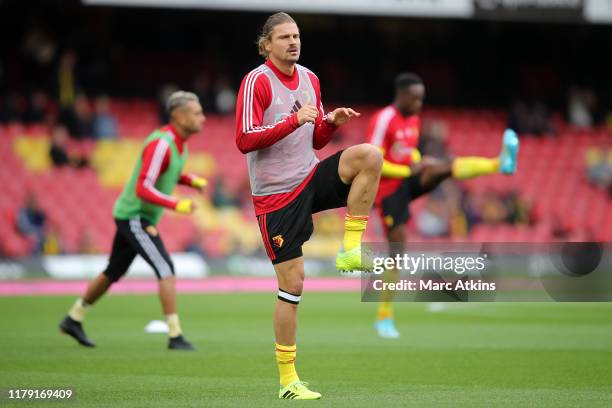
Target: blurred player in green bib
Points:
(137, 212)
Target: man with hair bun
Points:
(137, 212)
(279, 123)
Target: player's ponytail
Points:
(268, 27)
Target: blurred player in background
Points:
(138, 210)
(406, 176)
(279, 121)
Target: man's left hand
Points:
(340, 116)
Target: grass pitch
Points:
(465, 355)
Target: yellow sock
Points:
(385, 311)
(77, 311)
(469, 167)
(174, 326)
(354, 225)
(285, 358)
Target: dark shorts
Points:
(137, 236)
(395, 208)
(284, 231)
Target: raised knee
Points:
(372, 155)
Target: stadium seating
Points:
(551, 176)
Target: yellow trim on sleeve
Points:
(393, 170)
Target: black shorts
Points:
(137, 236)
(285, 230)
(395, 208)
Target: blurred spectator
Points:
(59, 153)
(39, 46)
(471, 204)
(31, 223)
(459, 224)
(493, 210)
(104, 123)
(221, 197)
(491, 207)
(13, 108)
(517, 208)
(86, 243)
(519, 117)
(74, 111)
(38, 50)
(66, 80)
(581, 105)
(608, 121)
(53, 242)
(38, 108)
(81, 121)
(225, 96)
(195, 245)
(202, 88)
(560, 227)
(599, 168)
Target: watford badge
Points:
(278, 241)
(389, 221)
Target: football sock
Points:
(469, 167)
(385, 311)
(285, 359)
(354, 225)
(77, 311)
(174, 327)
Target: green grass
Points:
(469, 355)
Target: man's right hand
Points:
(185, 206)
(307, 113)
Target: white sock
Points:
(174, 326)
(77, 311)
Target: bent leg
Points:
(360, 166)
